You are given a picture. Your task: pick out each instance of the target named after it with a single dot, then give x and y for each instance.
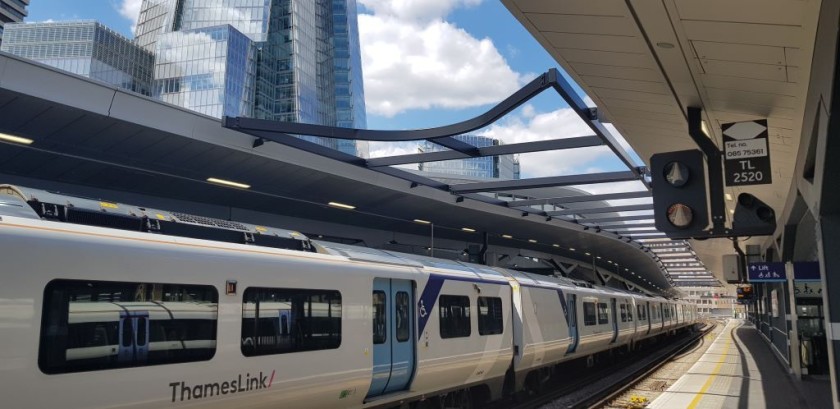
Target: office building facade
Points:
(488, 167)
(11, 11)
(86, 48)
(304, 54)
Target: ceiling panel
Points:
(756, 34)
(782, 12)
(611, 71)
(621, 94)
(756, 98)
(627, 85)
(757, 54)
(749, 84)
(596, 42)
(753, 109)
(609, 58)
(745, 70)
(643, 106)
(582, 7)
(583, 24)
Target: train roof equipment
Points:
(93, 212)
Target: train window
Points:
(97, 325)
(380, 329)
(490, 317)
(403, 322)
(630, 312)
(454, 316)
(623, 312)
(603, 313)
(286, 320)
(589, 314)
(641, 312)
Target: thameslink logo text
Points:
(181, 391)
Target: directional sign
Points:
(806, 271)
(747, 153)
(766, 272)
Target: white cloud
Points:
(414, 10)
(384, 149)
(130, 9)
(559, 124)
(413, 59)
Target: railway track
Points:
(599, 389)
(658, 380)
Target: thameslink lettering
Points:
(181, 391)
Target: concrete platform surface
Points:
(740, 371)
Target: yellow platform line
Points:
(712, 376)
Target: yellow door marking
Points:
(708, 384)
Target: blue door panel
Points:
(381, 342)
(402, 335)
(393, 336)
(573, 326)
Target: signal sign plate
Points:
(746, 153)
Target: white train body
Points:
(96, 317)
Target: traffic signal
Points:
(753, 217)
(679, 193)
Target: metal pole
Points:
(432, 248)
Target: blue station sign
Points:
(806, 271)
(766, 272)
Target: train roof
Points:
(41, 204)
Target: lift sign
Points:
(747, 153)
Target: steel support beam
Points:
(632, 232)
(579, 199)
(611, 209)
(625, 226)
(534, 183)
(565, 89)
(539, 84)
(496, 150)
(614, 219)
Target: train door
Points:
(573, 328)
(614, 319)
(393, 336)
(134, 336)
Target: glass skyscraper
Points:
(86, 48)
(11, 11)
(304, 54)
(487, 167)
(209, 70)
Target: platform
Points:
(740, 371)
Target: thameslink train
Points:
(148, 312)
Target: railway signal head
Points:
(753, 217)
(679, 193)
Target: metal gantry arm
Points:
(287, 133)
(281, 132)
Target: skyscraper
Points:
(86, 48)
(487, 167)
(11, 11)
(304, 55)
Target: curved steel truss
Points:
(587, 210)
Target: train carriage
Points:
(142, 319)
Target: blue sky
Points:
(430, 63)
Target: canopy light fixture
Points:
(421, 221)
(507, 236)
(15, 139)
(467, 229)
(341, 205)
(228, 183)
